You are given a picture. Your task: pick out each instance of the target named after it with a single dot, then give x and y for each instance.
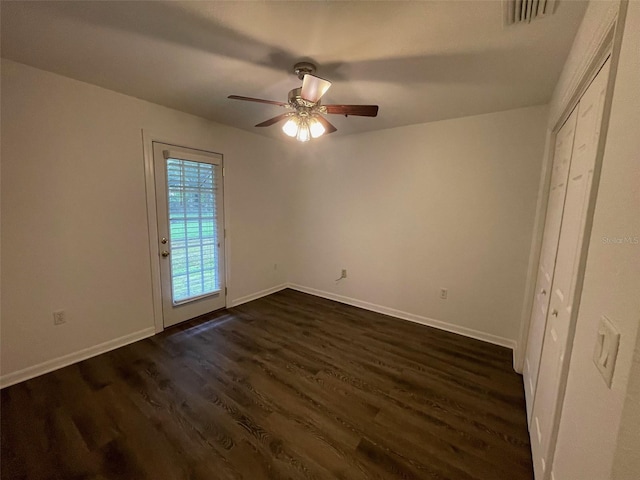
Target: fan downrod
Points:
(304, 68)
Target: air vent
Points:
(523, 11)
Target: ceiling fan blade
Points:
(359, 110)
(259, 100)
(271, 121)
(328, 128)
(313, 88)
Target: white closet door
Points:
(559, 331)
(546, 266)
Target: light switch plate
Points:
(606, 349)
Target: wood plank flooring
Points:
(290, 386)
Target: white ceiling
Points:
(420, 61)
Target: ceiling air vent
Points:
(523, 11)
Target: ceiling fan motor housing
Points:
(299, 103)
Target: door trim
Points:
(606, 42)
(152, 219)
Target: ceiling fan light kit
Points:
(305, 121)
(303, 127)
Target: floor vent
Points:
(523, 11)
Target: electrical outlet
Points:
(59, 317)
(344, 273)
(443, 293)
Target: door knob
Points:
(554, 313)
(163, 241)
(543, 291)
(165, 253)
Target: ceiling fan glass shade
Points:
(291, 127)
(316, 128)
(313, 88)
(304, 135)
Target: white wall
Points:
(74, 226)
(446, 204)
(412, 209)
(591, 412)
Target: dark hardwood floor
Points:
(290, 386)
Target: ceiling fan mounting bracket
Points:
(304, 68)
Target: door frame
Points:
(148, 138)
(606, 42)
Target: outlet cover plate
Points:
(59, 317)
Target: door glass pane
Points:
(191, 188)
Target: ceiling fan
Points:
(304, 118)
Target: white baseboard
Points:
(65, 360)
(256, 295)
(467, 332)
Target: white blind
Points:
(191, 189)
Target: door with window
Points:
(189, 208)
